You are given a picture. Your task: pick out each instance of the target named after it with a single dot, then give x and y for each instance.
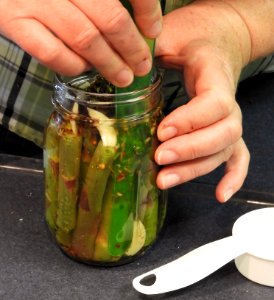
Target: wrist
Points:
(229, 31)
(258, 18)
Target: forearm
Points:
(205, 28)
(258, 17)
(239, 31)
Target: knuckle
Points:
(244, 152)
(194, 152)
(85, 39)
(49, 54)
(195, 172)
(225, 105)
(119, 18)
(233, 132)
(52, 55)
(227, 152)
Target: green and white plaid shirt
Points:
(26, 86)
(25, 91)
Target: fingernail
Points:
(228, 194)
(124, 77)
(143, 67)
(155, 29)
(170, 180)
(167, 133)
(167, 157)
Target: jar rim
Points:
(126, 97)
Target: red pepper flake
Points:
(84, 204)
(54, 166)
(120, 177)
(70, 251)
(70, 183)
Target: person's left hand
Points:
(204, 133)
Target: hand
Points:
(73, 36)
(204, 133)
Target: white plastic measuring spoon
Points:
(251, 243)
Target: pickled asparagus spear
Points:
(51, 171)
(134, 153)
(101, 251)
(138, 83)
(90, 206)
(94, 186)
(69, 155)
(122, 214)
(150, 220)
(89, 144)
(124, 191)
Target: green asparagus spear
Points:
(83, 238)
(151, 216)
(90, 141)
(138, 83)
(125, 192)
(101, 251)
(122, 215)
(94, 185)
(90, 214)
(69, 155)
(51, 170)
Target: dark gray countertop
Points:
(32, 267)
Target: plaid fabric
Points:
(25, 91)
(26, 87)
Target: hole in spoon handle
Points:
(191, 267)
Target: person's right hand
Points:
(72, 36)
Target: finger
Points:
(211, 85)
(36, 40)
(148, 16)
(182, 172)
(235, 173)
(80, 34)
(202, 142)
(119, 29)
(201, 111)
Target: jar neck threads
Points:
(71, 90)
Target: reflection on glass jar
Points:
(102, 203)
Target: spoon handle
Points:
(189, 268)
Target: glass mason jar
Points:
(102, 203)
